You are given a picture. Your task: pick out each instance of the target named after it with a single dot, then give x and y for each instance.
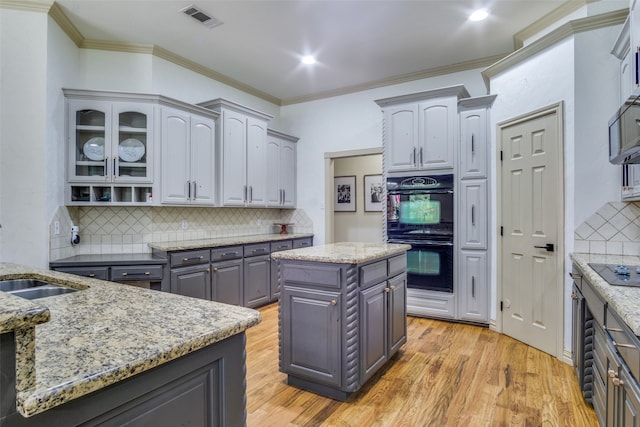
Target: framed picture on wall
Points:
(344, 199)
(373, 193)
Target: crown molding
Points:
(547, 20)
(28, 5)
(57, 14)
(433, 72)
(569, 29)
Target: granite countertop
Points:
(624, 300)
(223, 241)
(102, 334)
(343, 253)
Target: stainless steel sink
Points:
(33, 289)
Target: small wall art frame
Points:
(373, 193)
(344, 199)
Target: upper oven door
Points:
(419, 212)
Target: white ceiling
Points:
(357, 42)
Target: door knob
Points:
(549, 247)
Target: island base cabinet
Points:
(203, 388)
(310, 335)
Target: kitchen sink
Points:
(33, 289)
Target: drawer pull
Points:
(92, 274)
(255, 251)
(230, 254)
(387, 290)
(196, 258)
(614, 330)
(146, 273)
(612, 373)
(334, 302)
(617, 382)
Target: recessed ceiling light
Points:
(479, 15)
(308, 60)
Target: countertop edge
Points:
(341, 253)
(620, 299)
(223, 241)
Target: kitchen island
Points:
(110, 353)
(342, 314)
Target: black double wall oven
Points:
(420, 213)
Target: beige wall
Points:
(358, 226)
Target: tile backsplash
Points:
(614, 230)
(106, 230)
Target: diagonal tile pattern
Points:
(124, 229)
(614, 229)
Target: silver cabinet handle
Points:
(421, 156)
(473, 215)
(251, 193)
(189, 190)
(334, 302)
(413, 157)
(115, 168)
(244, 197)
(195, 258)
(473, 144)
(146, 273)
(195, 186)
(473, 286)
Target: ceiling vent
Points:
(201, 16)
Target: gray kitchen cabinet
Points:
(281, 245)
(227, 274)
(194, 281)
(340, 323)
(421, 130)
(312, 352)
(257, 275)
(302, 242)
(281, 170)
(101, 273)
(473, 214)
(226, 281)
(242, 165)
(473, 287)
(188, 158)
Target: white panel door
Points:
(234, 141)
(531, 197)
(175, 156)
(203, 161)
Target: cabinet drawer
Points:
(397, 265)
(179, 259)
(311, 275)
(624, 342)
(257, 249)
(302, 243)
(229, 252)
(101, 273)
(281, 245)
(136, 273)
(373, 273)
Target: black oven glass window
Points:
(430, 268)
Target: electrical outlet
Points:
(56, 227)
(184, 224)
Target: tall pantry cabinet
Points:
(473, 209)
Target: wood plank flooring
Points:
(447, 374)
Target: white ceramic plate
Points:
(94, 148)
(131, 150)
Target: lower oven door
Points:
(429, 265)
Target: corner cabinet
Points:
(340, 323)
(188, 157)
(420, 130)
(472, 285)
(242, 136)
(281, 170)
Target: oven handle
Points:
(422, 242)
(412, 192)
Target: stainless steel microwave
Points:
(624, 133)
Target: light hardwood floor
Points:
(447, 374)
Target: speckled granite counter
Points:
(625, 301)
(222, 241)
(343, 253)
(102, 334)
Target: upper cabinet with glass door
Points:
(110, 141)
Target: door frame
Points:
(329, 159)
(558, 110)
